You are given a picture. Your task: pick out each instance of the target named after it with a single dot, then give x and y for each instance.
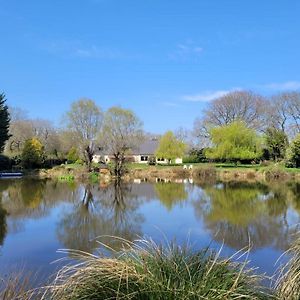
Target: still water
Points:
(37, 217)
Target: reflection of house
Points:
(141, 154)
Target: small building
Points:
(141, 154)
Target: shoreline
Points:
(203, 172)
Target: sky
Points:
(164, 59)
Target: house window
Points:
(144, 158)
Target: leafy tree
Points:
(4, 122)
(84, 119)
(122, 132)
(33, 153)
(234, 142)
(293, 153)
(72, 155)
(276, 142)
(170, 147)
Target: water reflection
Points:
(54, 215)
(236, 212)
(111, 211)
(170, 194)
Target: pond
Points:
(37, 217)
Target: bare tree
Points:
(284, 112)
(244, 106)
(85, 119)
(122, 132)
(278, 112)
(293, 99)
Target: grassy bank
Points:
(217, 171)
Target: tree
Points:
(283, 112)
(72, 155)
(235, 106)
(293, 153)
(85, 119)
(234, 142)
(122, 132)
(170, 147)
(33, 153)
(276, 142)
(4, 122)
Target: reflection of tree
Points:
(110, 211)
(3, 214)
(31, 198)
(235, 212)
(170, 193)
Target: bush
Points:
(293, 154)
(288, 284)
(150, 271)
(72, 155)
(33, 154)
(5, 162)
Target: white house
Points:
(141, 154)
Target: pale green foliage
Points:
(169, 147)
(234, 142)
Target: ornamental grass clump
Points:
(145, 270)
(288, 284)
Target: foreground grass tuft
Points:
(288, 285)
(146, 270)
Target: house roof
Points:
(147, 147)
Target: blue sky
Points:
(163, 59)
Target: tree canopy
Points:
(122, 132)
(293, 153)
(170, 147)
(33, 153)
(234, 142)
(85, 119)
(277, 142)
(4, 122)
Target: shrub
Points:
(72, 155)
(33, 153)
(205, 172)
(288, 284)
(5, 162)
(150, 271)
(293, 154)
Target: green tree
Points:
(72, 155)
(293, 153)
(276, 142)
(234, 142)
(122, 132)
(4, 122)
(170, 147)
(33, 153)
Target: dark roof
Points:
(147, 147)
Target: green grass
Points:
(148, 271)
(221, 166)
